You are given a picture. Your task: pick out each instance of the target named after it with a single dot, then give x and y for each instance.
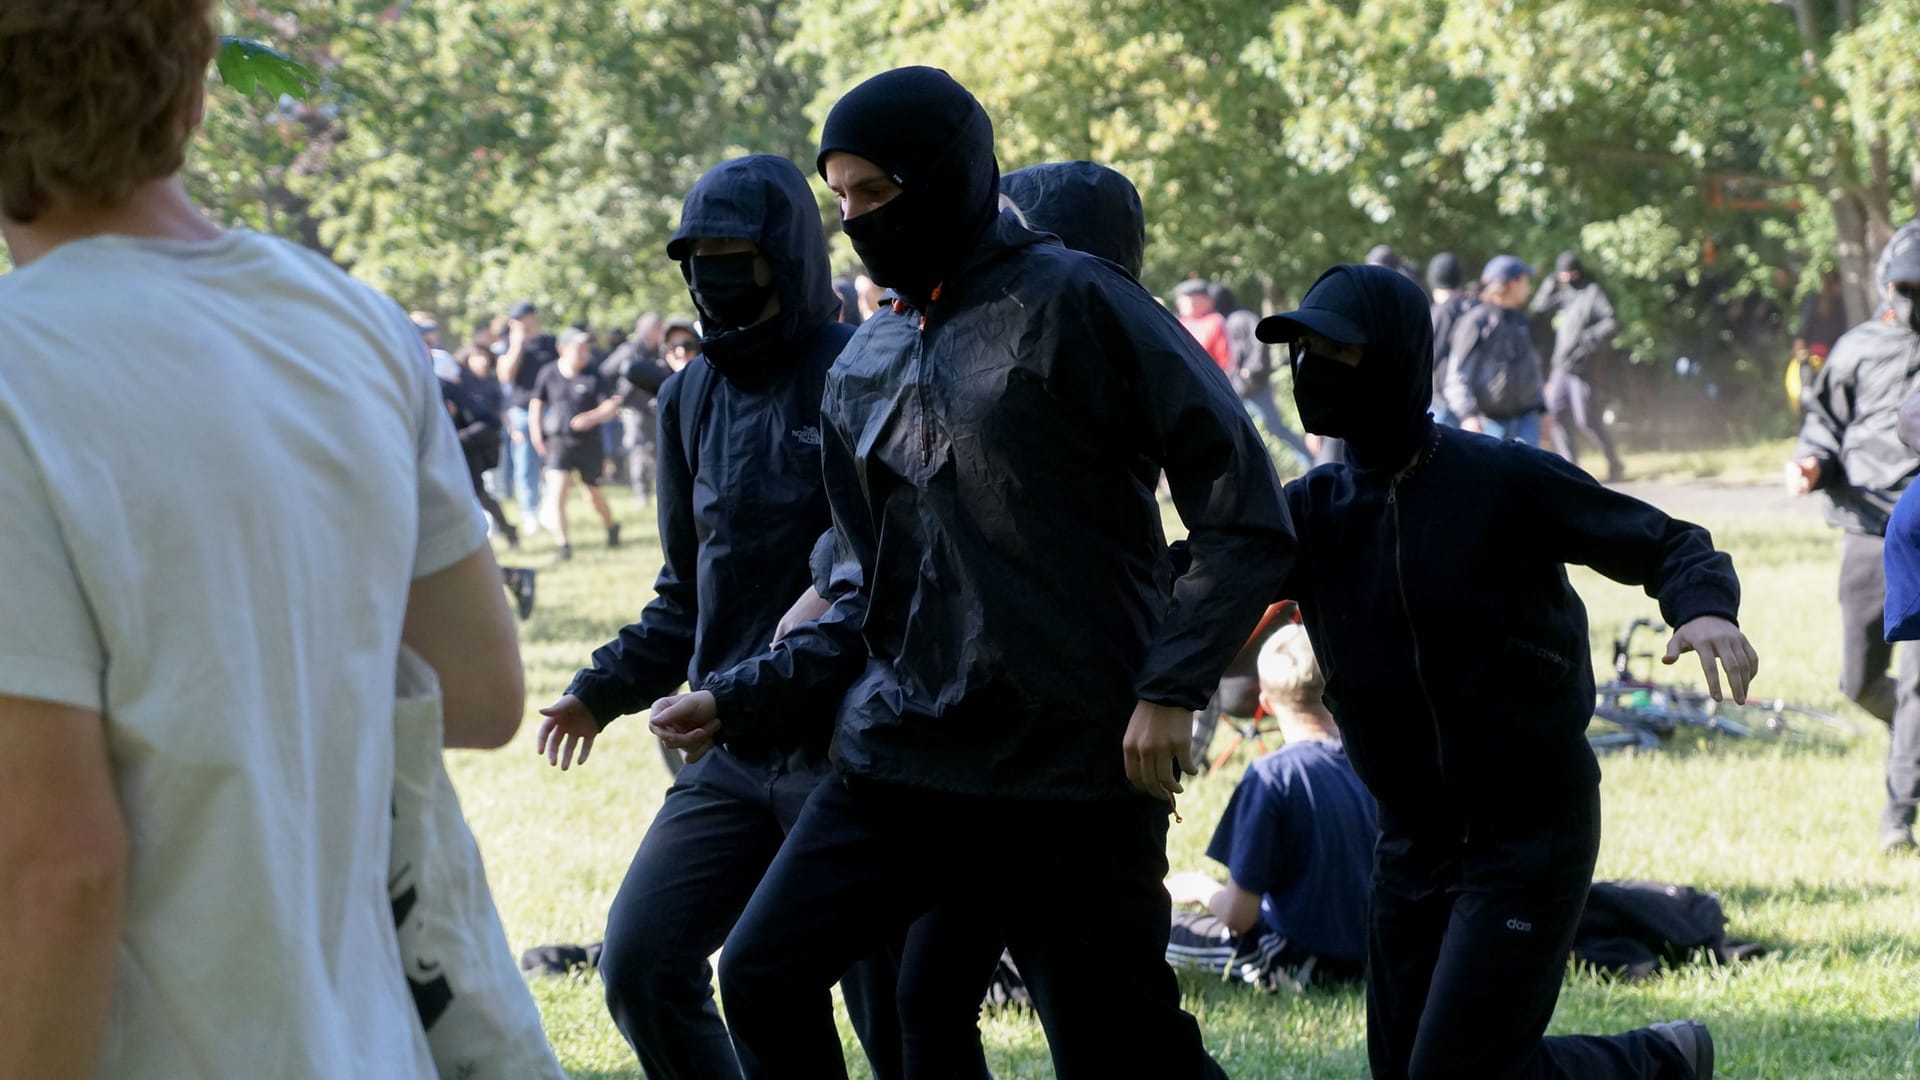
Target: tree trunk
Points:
(1855, 256)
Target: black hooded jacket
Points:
(1434, 589)
(1090, 207)
(740, 495)
(1002, 597)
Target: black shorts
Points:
(582, 457)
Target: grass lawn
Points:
(1786, 839)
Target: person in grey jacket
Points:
(1493, 383)
(1584, 324)
(1850, 450)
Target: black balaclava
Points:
(935, 141)
(1443, 271)
(1379, 407)
(1569, 263)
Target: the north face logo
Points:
(808, 436)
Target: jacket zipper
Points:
(924, 391)
(1419, 672)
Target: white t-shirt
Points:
(221, 466)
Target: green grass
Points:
(1786, 838)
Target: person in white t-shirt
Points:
(212, 546)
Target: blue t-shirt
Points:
(1902, 557)
(1299, 831)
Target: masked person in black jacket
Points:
(741, 503)
(1001, 604)
(1850, 450)
(1456, 662)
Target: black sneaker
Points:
(566, 551)
(1693, 1041)
(521, 581)
(613, 536)
(560, 960)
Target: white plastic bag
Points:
(480, 1019)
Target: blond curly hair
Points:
(97, 97)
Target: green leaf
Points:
(245, 65)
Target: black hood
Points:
(1389, 316)
(765, 199)
(935, 141)
(1090, 207)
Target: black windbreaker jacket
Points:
(1437, 601)
(1002, 596)
(740, 495)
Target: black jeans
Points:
(1570, 399)
(868, 859)
(951, 956)
(1864, 659)
(1468, 944)
(706, 851)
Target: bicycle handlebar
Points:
(1623, 646)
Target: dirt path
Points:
(1695, 499)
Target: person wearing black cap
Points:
(1584, 324)
(1449, 303)
(1850, 451)
(529, 353)
(1001, 603)
(1493, 383)
(1458, 671)
(741, 502)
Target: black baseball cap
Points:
(1332, 309)
(522, 309)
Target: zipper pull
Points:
(1393, 491)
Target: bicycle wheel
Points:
(1618, 729)
(1786, 722)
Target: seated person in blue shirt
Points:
(1297, 842)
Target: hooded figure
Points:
(741, 502)
(1090, 207)
(1013, 668)
(1457, 667)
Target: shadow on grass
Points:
(1807, 892)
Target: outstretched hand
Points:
(687, 723)
(1714, 639)
(567, 726)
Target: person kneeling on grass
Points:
(1297, 841)
(567, 391)
(1457, 665)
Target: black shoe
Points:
(566, 551)
(1693, 1041)
(560, 959)
(613, 536)
(1897, 842)
(521, 581)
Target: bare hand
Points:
(1715, 638)
(809, 607)
(687, 722)
(1191, 887)
(568, 726)
(1159, 748)
(1473, 424)
(1802, 475)
(539, 446)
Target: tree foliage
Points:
(461, 154)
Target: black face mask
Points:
(1331, 396)
(724, 288)
(893, 241)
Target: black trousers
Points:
(1570, 399)
(1468, 944)
(706, 851)
(1864, 659)
(867, 859)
